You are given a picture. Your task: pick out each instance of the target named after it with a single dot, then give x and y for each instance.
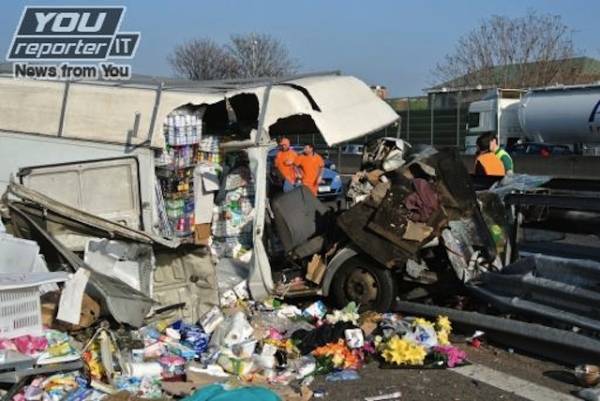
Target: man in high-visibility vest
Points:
(501, 154)
(487, 163)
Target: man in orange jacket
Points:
(487, 163)
(310, 166)
(284, 162)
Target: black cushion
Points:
(298, 217)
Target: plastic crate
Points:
(20, 312)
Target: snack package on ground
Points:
(354, 338)
(212, 319)
(195, 338)
(145, 386)
(180, 350)
(155, 350)
(57, 386)
(173, 367)
(316, 310)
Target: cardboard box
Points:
(202, 233)
(316, 269)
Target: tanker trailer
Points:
(561, 115)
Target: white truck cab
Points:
(497, 112)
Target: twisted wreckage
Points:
(416, 229)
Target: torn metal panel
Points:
(92, 222)
(185, 276)
(123, 302)
(260, 281)
(132, 263)
(342, 107)
(518, 183)
(354, 224)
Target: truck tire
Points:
(365, 282)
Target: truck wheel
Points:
(363, 281)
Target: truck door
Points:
(108, 188)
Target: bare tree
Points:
(261, 55)
(203, 59)
(533, 50)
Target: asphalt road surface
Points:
(495, 374)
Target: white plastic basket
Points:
(20, 312)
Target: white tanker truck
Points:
(567, 115)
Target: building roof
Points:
(576, 70)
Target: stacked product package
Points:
(208, 150)
(234, 215)
(175, 166)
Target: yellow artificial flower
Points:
(443, 323)
(443, 330)
(442, 337)
(403, 352)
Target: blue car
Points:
(332, 186)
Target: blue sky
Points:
(393, 43)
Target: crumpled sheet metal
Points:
(546, 287)
(185, 276)
(518, 182)
(377, 228)
(123, 302)
(111, 228)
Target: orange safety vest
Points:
(491, 164)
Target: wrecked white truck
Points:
(85, 158)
